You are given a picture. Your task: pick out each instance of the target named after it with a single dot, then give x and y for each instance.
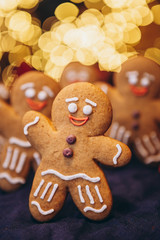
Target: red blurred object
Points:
(23, 68)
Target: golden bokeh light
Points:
(66, 12)
(156, 13)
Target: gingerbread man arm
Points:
(109, 151)
(8, 119)
(39, 131)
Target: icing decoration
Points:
(114, 129)
(118, 154)
(14, 159)
(48, 91)
(41, 210)
(74, 99)
(89, 195)
(68, 152)
(98, 193)
(19, 142)
(120, 133)
(46, 190)
(87, 110)
(148, 144)
(11, 180)
(27, 85)
(149, 76)
(37, 158)
(30, 93)
(91, 102)
(8, 157)
(145, 82)
(80, 194)
(94, 209)
(126, 137)
(72, 107)
(140, 148)
(71, 76)
(70, 177)
(42, 95)
(71, 139)
(53, 192)
(155, 140)
(38, 188)
(104, 88)
(21, 162)
(138, 91)
(81, 121)
(35, 105)
(36, 120)
(132, 77)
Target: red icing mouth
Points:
(78, 121)
(139, 91)
(35, 105)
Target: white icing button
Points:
(87, 110)
(30, 93)
(72, 107)
(42, 95)
(145, 82)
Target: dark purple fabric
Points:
(135, 214)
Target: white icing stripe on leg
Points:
(89, 195)
(98, 193)
(37, 158)
(120, 133)
(41, 210)
(46, 190)
(70, 177)
(140, 148)
(38, 188)
(36, 120)
(151, 159)
(118, 154)
(126, 137)
(19, 142)
(53, 192)
(155, 140)
(148, 144)
(8, 157)
(80, 194)
(21, 162)
(14, 159)
(94, 209)
(11, 179)
(114, 129)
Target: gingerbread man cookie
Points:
(31, 91)
(69, 146)
(77, 72)
(136, 107)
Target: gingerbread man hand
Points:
(81, 113)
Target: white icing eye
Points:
(71, 76)
(145, 82)
(87, 110)
(42, 95)
(83, 76)
(133, 80)
(30, 93)
(72, 107)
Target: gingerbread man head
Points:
(33, 91)
(138, 79)
(77, 72)
(69, 146)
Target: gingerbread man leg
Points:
(91, 200)
(14, 167)
(47, 196)
(148, 147)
